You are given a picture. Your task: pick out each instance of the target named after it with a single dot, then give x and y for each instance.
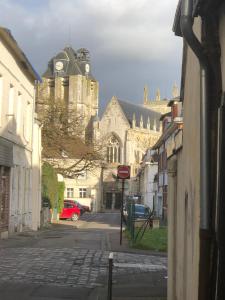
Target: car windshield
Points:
(140, 209)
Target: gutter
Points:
(186, 23)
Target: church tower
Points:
(158, 105)
(175, 91)
(69, 77)
(145, 95)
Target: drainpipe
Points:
(220, 223)
(186, 24)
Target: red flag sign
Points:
(123, 172)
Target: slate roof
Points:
(131, 109)
(75, 65)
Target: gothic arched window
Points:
(113, 150)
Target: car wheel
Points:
(74, 217)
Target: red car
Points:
(70, 211)
(83, 208)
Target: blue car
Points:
(141, 211)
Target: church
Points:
(125, 130)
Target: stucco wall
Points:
(185, 206)
(12, 121)
(147, 184)
(17, 126)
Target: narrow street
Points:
(70, 261)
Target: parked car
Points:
(86, 208)
(70, 211)
(83, 208)
(141, 211)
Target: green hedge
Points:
(52, 190)
(61, 188)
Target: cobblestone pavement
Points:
(71, 267)
(69, 260)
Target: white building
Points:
(146, 176)
(20, 141)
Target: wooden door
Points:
(4, 198)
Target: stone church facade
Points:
(125, 130)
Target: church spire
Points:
(134, 121)
(158, 97)
(145, 94)
(175, 91)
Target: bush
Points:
(49, 186)
(61, 188)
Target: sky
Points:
(131, 42)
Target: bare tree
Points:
(63, 140)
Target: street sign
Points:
(123, 172)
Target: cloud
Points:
(134, 29)
(118, 33)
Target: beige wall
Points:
(184, 237)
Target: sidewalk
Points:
(142, 286)
(134, 287)
(32, 291)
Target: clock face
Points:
(59, 65)
(87, 68)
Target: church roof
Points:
(74, 63)
(130, 110)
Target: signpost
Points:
(123, 172)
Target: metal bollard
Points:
(110, 276)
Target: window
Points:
(70, 192)
(83, 192)
(113, 150)
(10, 113)
(11, 100)
(18, 114)
(27, 124)
(68, 205)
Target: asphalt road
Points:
(69, 260)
